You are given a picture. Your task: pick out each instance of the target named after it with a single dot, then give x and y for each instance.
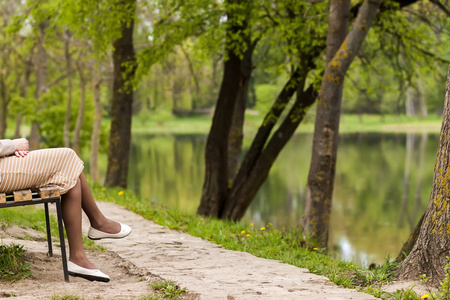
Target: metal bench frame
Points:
(38, 199)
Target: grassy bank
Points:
(165, 124)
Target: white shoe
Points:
(95, 234)
(89, 274)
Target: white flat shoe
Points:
(95, 234)
(89, 274)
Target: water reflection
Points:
(168, 169)
(383, 182)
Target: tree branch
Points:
(441, 6)
(383, 7)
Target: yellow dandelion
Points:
(120, 193)
(351, 266)
(248, 234)
(315, 249)
(425, 296)
(103, 189)
(243, 231)
(263, 228)
(100, 196)
(251, 224)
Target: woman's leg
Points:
(71, 213)
(96, 218)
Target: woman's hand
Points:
(22, 147)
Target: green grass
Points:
(389, 123)
(13, 265)
(65, 297)
(167, 289)
(27, 216)
(34, 217)
(167, 124)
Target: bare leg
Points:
(80, 197)
(71, 213)
(97, 219)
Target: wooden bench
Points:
(44, 196)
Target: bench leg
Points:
(61, 239)
(49, 235)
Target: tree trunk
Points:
(18, 125)
(41, 80)
(3, 106)
(215, 184)
(323, 162)
(422, 104)
(23, 90)
(260, 140)
(428, 256)
(79, 124)
(122, 103)
(196, 96)
(237, 123)
(96, 129)
(69, 88)
(242, 194)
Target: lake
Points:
(382, 187)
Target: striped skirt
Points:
(57, 166)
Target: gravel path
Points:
(211, 271)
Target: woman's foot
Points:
(107, 226)
(81, 261)
(97, 234)
(86, 273)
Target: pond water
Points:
(382, 187)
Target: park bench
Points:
(44, 196)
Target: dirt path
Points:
(151, 251)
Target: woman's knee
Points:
(69, 152)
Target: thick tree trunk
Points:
(428, 256)
(69, 88)
(121, 110)
(215, 185)
(96, 129)
(216, 157)
(323, 162)
(80, 117)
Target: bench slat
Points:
(23, 195)
(2, 198)
(49, 192)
